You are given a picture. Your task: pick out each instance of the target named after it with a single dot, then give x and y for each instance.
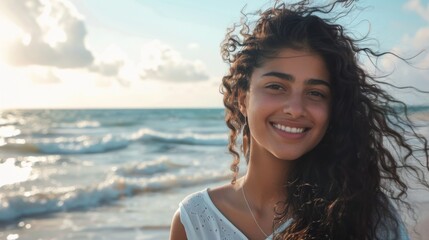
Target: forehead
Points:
(302, 64)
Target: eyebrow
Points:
(291, 78)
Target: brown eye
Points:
(275, 87)
(317, 94)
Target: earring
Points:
(245, 122)
(246, 140)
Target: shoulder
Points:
(181, 220)
(212, 197)
(194, 208)
(222, 194)
(201, 217)
(177, 230)
(193, 200)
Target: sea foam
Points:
(160, 165)
(42, 201)
(146, 134)
(84, 144)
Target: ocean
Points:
(111, 174)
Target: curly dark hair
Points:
(370, 143)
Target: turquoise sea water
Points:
(110, 174)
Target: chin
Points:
(288, 157)
(291, 154)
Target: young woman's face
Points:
(288, 104)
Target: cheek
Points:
(322, 114)
(268, 100)
(259, 103)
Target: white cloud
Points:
(44, 76)
(48, 32)
(157, 62)
(417, 6)
(114, 63)
(161, 62)
(51, 34)
(415, 72)
(109, 62)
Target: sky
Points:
(165, 54)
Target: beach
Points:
(117, 174)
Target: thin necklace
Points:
(250, 210)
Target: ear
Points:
(242, 103)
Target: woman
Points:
(318, 135)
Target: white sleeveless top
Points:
(202, 220)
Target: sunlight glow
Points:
(12, 34)
(9, 131)
(49, 21)
(26, 39)
(13, 174)
(12, 30)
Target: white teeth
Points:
(288, 129)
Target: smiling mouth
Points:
(289, 129)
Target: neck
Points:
(265, 180)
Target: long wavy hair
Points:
(343, 188)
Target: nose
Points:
(294, 106)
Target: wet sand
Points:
(421, 229)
